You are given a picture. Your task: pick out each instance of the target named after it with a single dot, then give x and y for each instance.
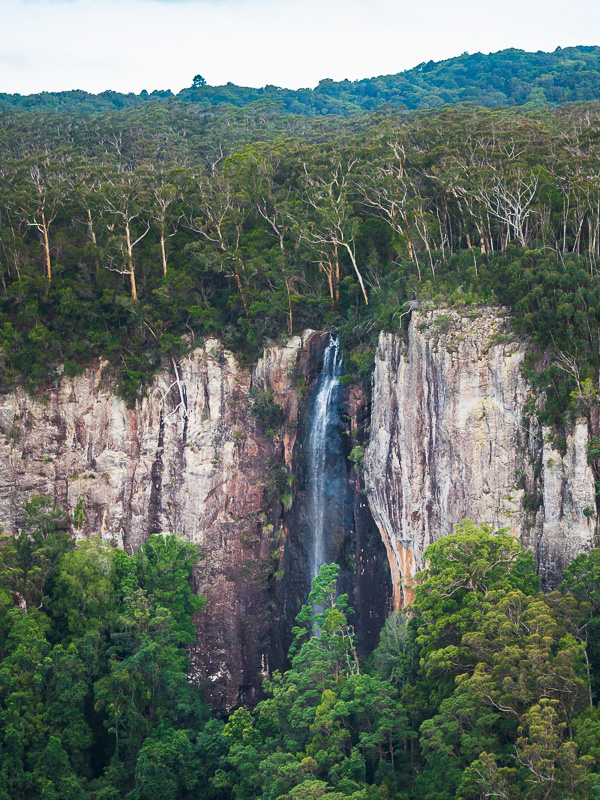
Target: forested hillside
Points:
(128, 235)
(486, 688)
(507, 78)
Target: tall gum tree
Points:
(258, 174)
(39, 200)
(331, 221)
(216, 215)
(126, 202)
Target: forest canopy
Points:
(484, 687)
(509, 77)
(129, 234)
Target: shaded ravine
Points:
(330, 520)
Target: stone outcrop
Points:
(453, 436)
(190, 458)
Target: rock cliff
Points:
(190, 458)
(453, 435)
(194, 457)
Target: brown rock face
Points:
(450, 439)
(190, 459)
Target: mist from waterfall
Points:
(324, 423)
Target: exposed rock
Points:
(450, 439)
(190, 459)
(566, 524)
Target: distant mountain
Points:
(507, 78)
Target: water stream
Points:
(324, 425)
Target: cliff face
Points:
(453, 436)
(190, 459)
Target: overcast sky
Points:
(130, 45)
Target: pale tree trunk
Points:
(352, 255)
(329, 270)
(337, 274)
(46, 248)
(92, 236)
(134, 295)
(163, 250)
(90, 226)
(287, 287)
(279, 232)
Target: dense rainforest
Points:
(484, 687)
(127, 235)
(506, 78)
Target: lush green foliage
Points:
(94, 696)
(509, 77)
(130, 235)
(484, 687)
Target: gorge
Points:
(452, 433)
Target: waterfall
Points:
(324, 425)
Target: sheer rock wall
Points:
(189, 459)
(453, 436)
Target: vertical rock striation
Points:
(450, 438)
(190, 459)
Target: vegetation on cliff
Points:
(128, 235)
(484, 687)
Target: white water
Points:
(324, 419)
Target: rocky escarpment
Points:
(453, 435)
(191, 458)
(196, 457)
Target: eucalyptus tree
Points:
(261, 174)
(40, 197)
(331, 225)
(125, 200)
(383, 188)
(216, 214)
(166, 192)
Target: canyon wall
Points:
(454, 434)
(190, 458)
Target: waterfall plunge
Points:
(324, 424)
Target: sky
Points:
(131, 45)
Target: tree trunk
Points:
(46, 248)
(163, 250)
(134, 295)
(336, 282)
(358, 275)
(92, 236)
